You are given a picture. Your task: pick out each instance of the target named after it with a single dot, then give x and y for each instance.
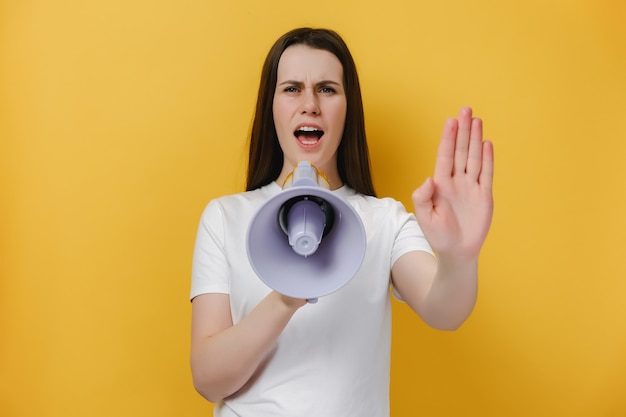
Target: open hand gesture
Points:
(455, 207)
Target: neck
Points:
(330, 177)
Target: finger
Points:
(486, 171)
(445, 153)
(462, 140)
(475, 153)
(423, 200)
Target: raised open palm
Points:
(455, 207)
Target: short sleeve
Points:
(409, 237)
(210, 272)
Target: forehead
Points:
(299, 62)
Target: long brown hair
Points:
(265, 159)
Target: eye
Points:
(327, 90)
(290, 89)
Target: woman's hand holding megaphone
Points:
(291, 302)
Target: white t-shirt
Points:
(333, 357)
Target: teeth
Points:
(308, 129)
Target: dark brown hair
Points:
(265, 159)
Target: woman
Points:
(256, 352)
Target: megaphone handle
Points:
(311, 300)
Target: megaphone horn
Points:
(306, 242)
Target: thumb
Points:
(423, 199)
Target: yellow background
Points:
(119, 120)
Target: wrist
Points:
(457, 259)
(290, 303)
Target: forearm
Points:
(222, 363)
(452, 295)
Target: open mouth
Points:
(308, 135)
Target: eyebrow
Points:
(300, 83)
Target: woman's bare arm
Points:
(224, 356)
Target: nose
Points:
(310, 103)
